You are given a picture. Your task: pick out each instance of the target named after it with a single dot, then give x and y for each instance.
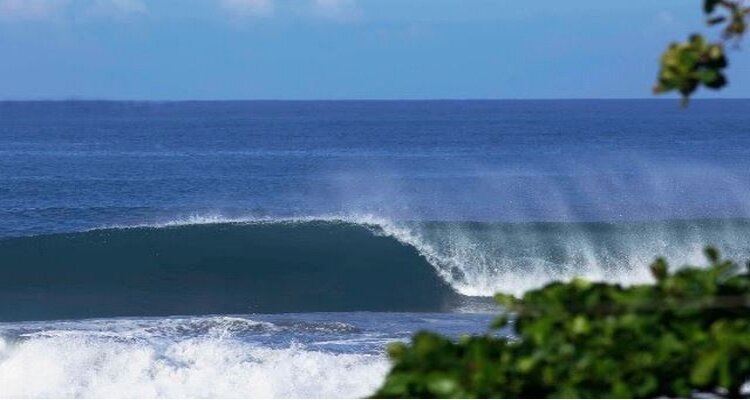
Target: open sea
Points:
(274, 248)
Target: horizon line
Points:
(438, 99)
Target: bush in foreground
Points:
(687, 334)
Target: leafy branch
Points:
(686, 66)
(687, 334)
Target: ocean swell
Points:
(210, 265)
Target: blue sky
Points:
(342, 49)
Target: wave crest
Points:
(209, 264)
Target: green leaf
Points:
(580, 325)
(505, 300)
(443, 386)
(500, 322)
(659, 269)
(710, 5)
(704, 369)
(712, 254)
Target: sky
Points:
(343, 49)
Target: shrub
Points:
(687, 334)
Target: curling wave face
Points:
(209, 265)
(480, 259)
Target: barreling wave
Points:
(227, 268)
(207, 265)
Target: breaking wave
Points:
(210, 265)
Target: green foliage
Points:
(686, 66)
(684, 335)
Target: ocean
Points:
(275, 248)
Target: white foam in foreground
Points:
(85, 367)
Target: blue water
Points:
(272, 249)
(67, 166)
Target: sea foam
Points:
(84, 366)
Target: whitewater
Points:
(279, 356)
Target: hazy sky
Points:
(342, 49)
